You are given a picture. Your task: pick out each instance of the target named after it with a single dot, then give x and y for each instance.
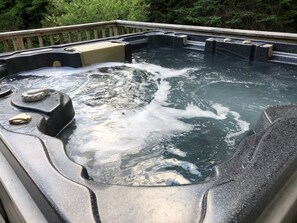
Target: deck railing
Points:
(35, 38)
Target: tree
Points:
(274, 15)
(203, 12)
(21, 14)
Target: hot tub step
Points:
(282, 57)
(195, 45)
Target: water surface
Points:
(166, 119)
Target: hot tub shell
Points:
(239, 190)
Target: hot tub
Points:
(168, 149)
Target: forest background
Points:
(270, 15)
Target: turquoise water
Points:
(165, 119)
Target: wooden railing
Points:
(35, 38)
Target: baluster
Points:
(115, 31)
(52, 40)
(123, 30)
(78, 35)
(88, 35)
(95, 33)
(119, 30)
(110, 29)
(61, 38)
(15, 47)
(40, 40)
(69, 37)
(6, 46)
(29, 42)
(103, 32)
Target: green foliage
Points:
(274, 15)
(62, 12)
(203, 12)
(21, 14)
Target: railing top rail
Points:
(212, 30)
(58, 29)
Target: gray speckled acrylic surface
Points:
(2, 219)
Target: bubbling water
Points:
(138, 117)
(161, 120)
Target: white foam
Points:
(146, 126)
(50, 72)
(134, 130)
(176, 151)
(162, 93)
(154, 172)
(243, 126)
(161, 178)
(222, 111)
(161, 72)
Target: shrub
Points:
(62, 12)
